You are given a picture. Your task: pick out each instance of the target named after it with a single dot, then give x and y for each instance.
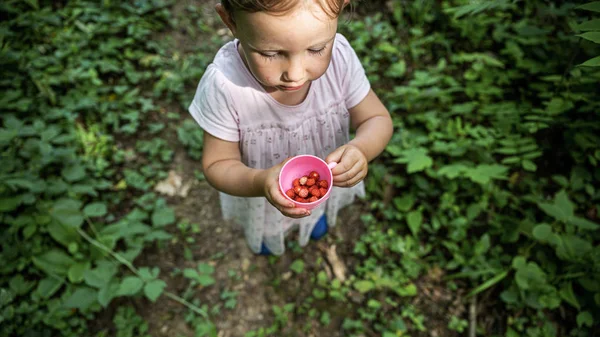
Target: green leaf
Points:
(163, 216)
(73, 173)
(404, 203)
(297, 266)
(19, 285)
(584, 318)
(562, 209)
(542, 232)
(205, 280)
(77, 270)
(483, 173)
(417, 159)
(530, 276)
(591, 36)
(407, 290)
(67, 211)
(54, 261)
(572, 247)
(9, 204)
(49, 286)
(529, 165)
(414, 220)
(63, 234)
(593, 6)
(364, 286)
(154, 289)
(107, 293)
(95, 209)
(593, 62)
(583, 223)
(191, 273)
(589, 25)
(205, 268)
(452, 171)
(567, 294)
(100, 276)
(130, 285)
(82, 298)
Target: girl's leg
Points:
(320, 228)
(264, 250)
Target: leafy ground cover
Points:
(481, 216)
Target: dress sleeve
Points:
(355, 83)
(213, 107)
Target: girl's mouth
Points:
(286, 88)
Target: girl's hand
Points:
(276, 197)
(352, 165)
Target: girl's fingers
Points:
(287, 207)
(295, 212)
(351, 177)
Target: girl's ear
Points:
(226, 18)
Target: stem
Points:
(187, 304)
(133, 269)
(92, 226)
(118, 257)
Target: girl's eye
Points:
(317, 51)
(268, 55)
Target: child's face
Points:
(286, 52)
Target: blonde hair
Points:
(332, 8)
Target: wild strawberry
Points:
(303, 192)
(290, 193)
(310, 182)
(304, 200)
(323, 183)
(313, 199)
(314, 175)
(296, 182)
(315, 192)
(323, 191)
(303, 180)
(297, 189)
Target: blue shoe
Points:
(264, 250)
(320, 228)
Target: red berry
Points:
(323, 183)
(297, 189)
(303, 180)
(296, 182)
(298, 199)
(303, 192)
(315, 192)
(313, 199)
(290, 193)
(310, 182)
(314, 175)
(323, 191)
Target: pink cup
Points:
(301, 166)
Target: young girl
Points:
(288, 84)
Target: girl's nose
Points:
(295, 70)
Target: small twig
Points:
(473, 316)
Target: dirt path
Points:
(247, 286)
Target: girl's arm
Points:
(374, 130)
(224, 170)
(373, 126)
